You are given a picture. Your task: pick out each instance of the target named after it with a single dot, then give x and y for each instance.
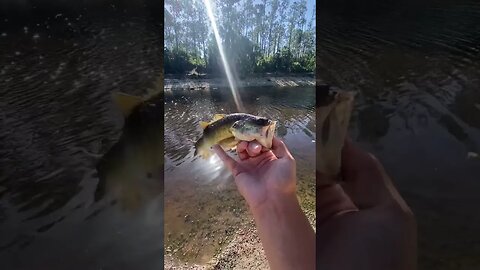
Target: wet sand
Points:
(245, 251)
(208, 247)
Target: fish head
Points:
(333, 112)
(259, 128)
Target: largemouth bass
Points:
(132, 170)
(229, 130)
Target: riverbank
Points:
(263, 80)
(245, 251)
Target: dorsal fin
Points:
(204, 124)
(218, 116)
(125, 102)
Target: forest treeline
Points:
(258, 36)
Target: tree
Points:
(257, 35)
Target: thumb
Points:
(246, 185)
(254, 149)
(229, 162)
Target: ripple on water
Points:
(55, 107)
(417, 71)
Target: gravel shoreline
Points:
(245, 251)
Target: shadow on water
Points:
(416, 65)
(203, 209)
(57, 72)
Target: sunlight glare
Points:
(235, 94)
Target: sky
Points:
(310, 6)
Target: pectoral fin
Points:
(125, 102)
(229, 143)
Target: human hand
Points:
(262, 175)
(363, 222)
(267, 180)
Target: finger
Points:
(242, 150)
(243, 155)
(254, 149)
(356, 161)
(229, 162)
(363, 177)
(242, 146)
(279, 148)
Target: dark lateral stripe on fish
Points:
(227, 120)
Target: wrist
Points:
(287, 236)
(276, 206)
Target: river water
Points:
(56, 76)
(203, 209)
(416, 67)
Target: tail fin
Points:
(201, 150)
(197, 147)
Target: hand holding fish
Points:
(363, 222)
(261, 174)
(267, 180)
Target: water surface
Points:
(416, 67)
(56, 76)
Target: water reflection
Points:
(203, 209)
(415, 65)
(56, 119)
(375, 122)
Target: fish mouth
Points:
(332, 127)
(262, 121)
(269, 133)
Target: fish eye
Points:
(263, 121)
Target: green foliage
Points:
(176, 61)
(258, 36)
(196, 61)
(284, 61)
